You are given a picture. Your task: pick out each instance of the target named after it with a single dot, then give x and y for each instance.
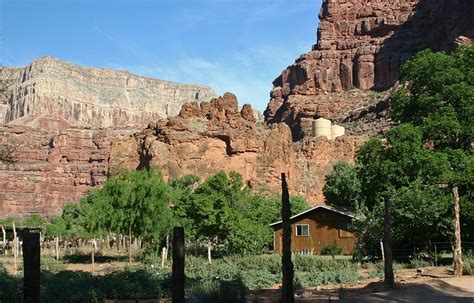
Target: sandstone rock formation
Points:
(362, 44)
(52, 168)
(61, 120)
(90, 97)
(214, 136)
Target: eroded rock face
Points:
(91, 97)
(62, 118)
(362, 44)
(215, 136)
(52, 168)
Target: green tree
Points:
(224, 211)
(57, 227)
(181, 190)
(438, 97)
(342, 187)
(134, 203)
(417, 162)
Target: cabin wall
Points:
(325, 227)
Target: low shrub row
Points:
(226, 279)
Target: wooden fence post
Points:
(457, 234)
(4, 234)
(287, 291)
(15, 248)
(31, 267)
(387, 243)
(56, 247)
(178, 265)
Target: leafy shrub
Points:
(271, 263)
(258, 278)
(67, 286)
(135, 284)
(52, 265)
(215, 291)
(331, 250)
(468, 264)
(317, 278)
(418, 262)
(311, 263)
(197, 268)
(11, 287)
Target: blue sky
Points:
(232, 45)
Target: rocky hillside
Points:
(90, 97)
(362, 45)
(204, 139)
(60, 120)
(52, 168)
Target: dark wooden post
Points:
(178, 265)
(457, 234)
(387, 245)
(287, 291)
(31, 267)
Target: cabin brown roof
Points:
(341, 210)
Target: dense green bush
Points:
(52, 265)
(331, 250)
(468, 264)
(68, 286)
(213, 291)
(317, 278)
(11, 287)
(226, 279)
(316, 263)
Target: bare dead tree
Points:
(287, 291)
(7, 153)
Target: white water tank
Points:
(337, 131)
(321, 128)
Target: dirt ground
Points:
(435, 284)
(100, 267)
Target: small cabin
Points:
(317, 227)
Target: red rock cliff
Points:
(362, 44)
(214, 136)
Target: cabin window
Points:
(345, 230)
(302, 230)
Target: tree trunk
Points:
(287, 291)
(66, 246)
(209, 248)
(93, 256)
(167, 238)
(457, 234)
(56, 247)
(119, 239)
(163, 257)
(387, 245)
(130, 244)
(178, 265)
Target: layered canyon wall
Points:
(362, 45)
(60, 119)
(90, 97)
